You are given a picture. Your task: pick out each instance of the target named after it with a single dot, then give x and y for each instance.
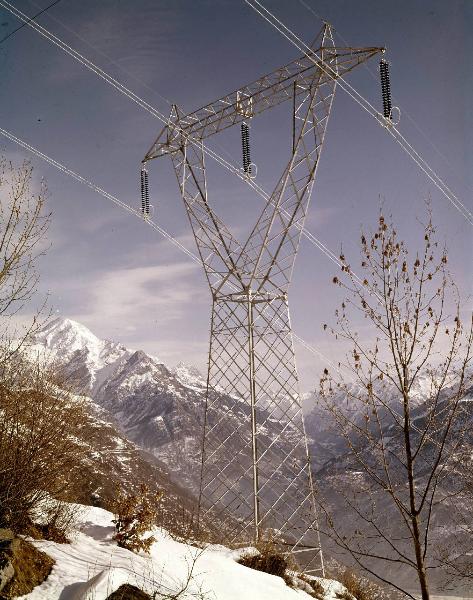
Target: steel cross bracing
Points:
(256, 478)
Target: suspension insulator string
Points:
(385, 88)
(145, 208)
(245, 146)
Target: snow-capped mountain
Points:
(159, 408)
(87, 357)
(153, 405)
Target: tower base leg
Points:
(256, 478)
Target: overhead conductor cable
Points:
(245, 110)
(422, 164)
(258, 7)
(132, 210)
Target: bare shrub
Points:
(268, 559)
(55, 521)
(360, 588)
(38, 420)
(135, 515)
(39, 449)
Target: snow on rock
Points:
(189, 376)
(69, 334)
(67, 340)
(92, 566)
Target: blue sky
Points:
(109, 270)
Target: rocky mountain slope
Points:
(154, 406)
(111, 462)
(159, 408)
(339, 474)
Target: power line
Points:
(97, 189)
(155, 113)
(132, 96)
(152, 224)
(365, 104)
(116, 84)
(138, 214)
(121, 88)
(125, 206)
(125, 71)
(376, 78)
(29, 21)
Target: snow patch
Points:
(92, 566)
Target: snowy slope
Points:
(92, 567)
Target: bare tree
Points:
(23, 227)
(40, 419)
(402, 420)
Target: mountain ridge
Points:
(159, 408)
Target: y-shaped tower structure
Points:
(256, 476)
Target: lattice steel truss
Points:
(256, 476)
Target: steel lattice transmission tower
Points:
(251, 482)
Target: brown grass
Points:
(358, 587)
(272, 563)
(31, 568)
(318, 591)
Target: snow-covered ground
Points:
(448, 598)
(92, 567)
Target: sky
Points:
(110, 270)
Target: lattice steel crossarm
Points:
(256, 476)
(217, 247)
(264, 93)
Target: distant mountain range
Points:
(161, 409)
(338, 474)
